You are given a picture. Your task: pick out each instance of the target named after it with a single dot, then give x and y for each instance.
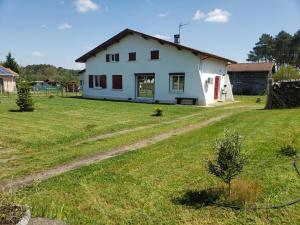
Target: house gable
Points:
(126, 32)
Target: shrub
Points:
(288, 150)
(51, 96)
(230, 161)
(24, 100)
(287, 73)
(158, 112)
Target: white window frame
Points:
(177, 90)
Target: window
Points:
(154, 55)
(117, 57)
(177, 82)
(100, 81)
(117, 82)
(107, 57)
(113, 57)
(131, 56)
(91, 81)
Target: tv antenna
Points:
(177, 36)
(182, 25)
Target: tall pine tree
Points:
(11, 63)
(262, 52)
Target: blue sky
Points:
(59, 31)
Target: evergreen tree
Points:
(11, 63)
(262, 52)
(230, 161)
(296, 49)
(24, 100)
(283, 49)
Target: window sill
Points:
(176, 92)
(117, 89)
(99, 89)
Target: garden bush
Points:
(158, 112)
(24, 100)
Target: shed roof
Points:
(250, 67)
(127, 32)
(7, 72)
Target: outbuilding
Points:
(250, 78)
(138, 67)
(7, 80)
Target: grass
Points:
(142, 187)
(34, 141)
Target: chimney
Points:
(177, 39)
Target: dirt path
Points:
(17, 183)
(117, 133)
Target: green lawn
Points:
(142, 187)
(34, 141)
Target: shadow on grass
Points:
(200, 199)
(14, 110)
(18, 110)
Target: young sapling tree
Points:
(230, 160)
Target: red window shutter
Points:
(91, 81)
(117, 82)
(107, 58)
(117, 57)
(103, 81)
(154, 55)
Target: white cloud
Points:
(162, 36)
(37, 54)
(44, 26)
(217, 16)
(199, 15)
(163, 15)
(84, 6)
(64, 26)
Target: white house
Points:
(138, 67)
(7, 80)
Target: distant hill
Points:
(44, 72)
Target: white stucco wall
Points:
(9, 84)
(171, 60)
(210, 68)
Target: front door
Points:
(217, 87)
(145, 84)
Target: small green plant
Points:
(51, 96)
(230, 160)
(288, 150)
(24, 100)
(158, 112)
(288, 147)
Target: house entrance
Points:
(145, 85)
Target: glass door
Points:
(145, 85)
